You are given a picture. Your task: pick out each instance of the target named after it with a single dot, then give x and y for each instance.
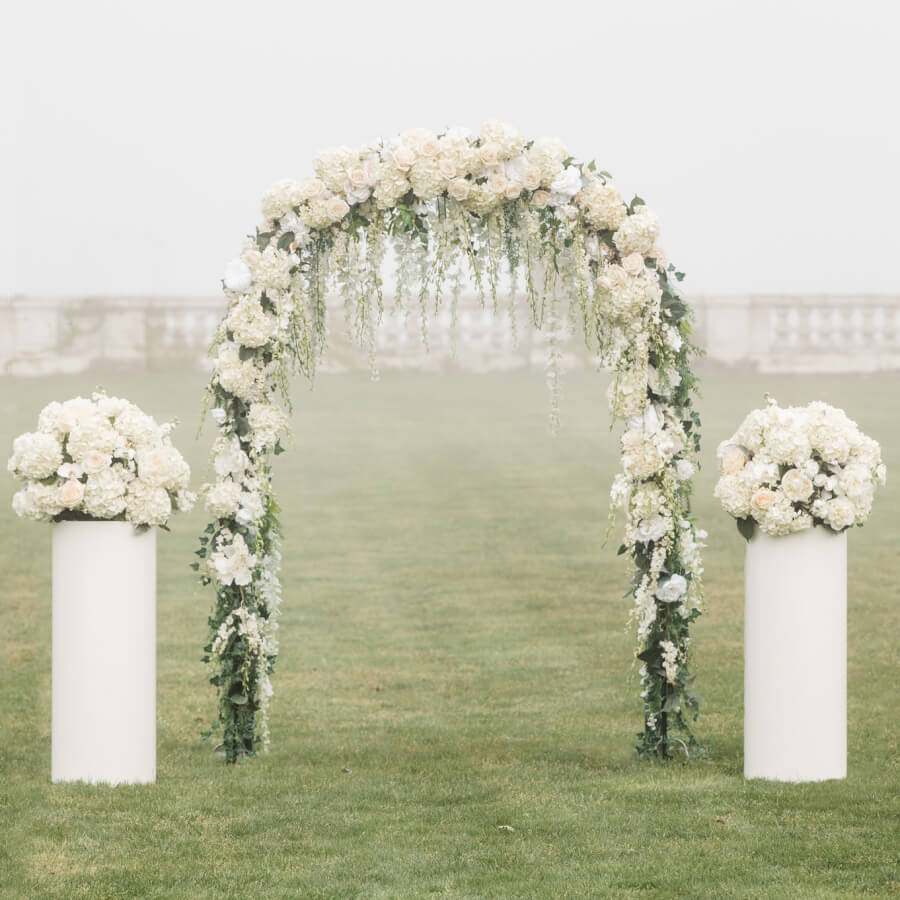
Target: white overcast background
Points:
(139, 137)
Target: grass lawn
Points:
(454, 658)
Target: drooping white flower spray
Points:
(505, 207)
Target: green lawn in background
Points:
(455, 657)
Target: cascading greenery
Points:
(513, 219)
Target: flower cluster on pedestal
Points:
(788, 469)
(99, 458)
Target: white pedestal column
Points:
(795, 656)
(104, 653)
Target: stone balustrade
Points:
(764, 333)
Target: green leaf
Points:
(622, 549)
(746, 527)
(263, 238)
(285, 240)
(635, 203)
(278, 449)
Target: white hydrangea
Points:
(243, 378)
(840, 513)
(223, 499)
(603, 206)
(94, 435)
(271, 267)
(136, 426)
(637, 233)
(35, 455)
(281, 198)
(332, 165)
(147, 504)
(629, 298)
(547, 156)
(267, 422)
(104, 494)
(162, 465)
(37, 501)
(507, 139)
(250, 324)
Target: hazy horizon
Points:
(143, 137)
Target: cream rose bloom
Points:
(797, 485)
(71, 493)
(733, 460)
(762, 500)
(633, 264)
(489, 153)
(459, 188)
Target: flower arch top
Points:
(511, 215)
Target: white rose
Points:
(633, 264)
(512, 190)
(568, 182)
(238, 276)
(539, 199)
(496, 183)
(95, 461)
(71, 493)
(733, 460)
(797, 485)
(312, 189)
(531, 178)
(459, 188)
(447, 168)
(337, 207)
(429, 147)
(489, 153)
(403, 157)
(218, 415)
(762, 500)
(684, 469)
(672, 589)
(651, 529)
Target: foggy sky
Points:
(139, 138)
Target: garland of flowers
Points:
(507, 213)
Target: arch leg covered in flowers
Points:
(512, 216)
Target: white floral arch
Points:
(490, 207)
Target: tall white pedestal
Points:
(104, 653)
(795, 656)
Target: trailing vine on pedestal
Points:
(512, 216)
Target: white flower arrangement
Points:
(99, 459)
(789, 469)
(497, 203)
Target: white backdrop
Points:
(765, 134)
